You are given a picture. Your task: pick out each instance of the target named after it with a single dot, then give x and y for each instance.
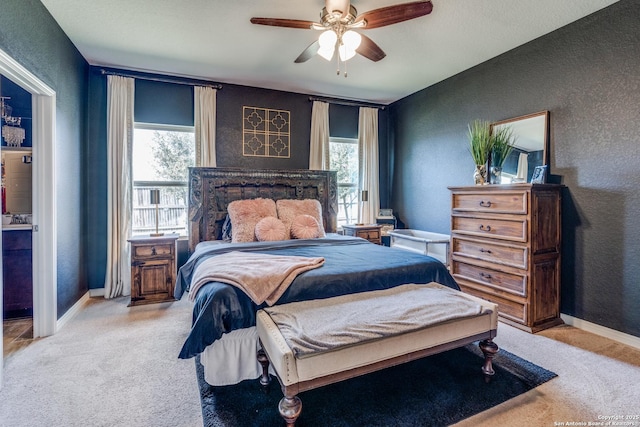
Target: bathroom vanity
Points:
(17, 270)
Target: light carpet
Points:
(117, 366)
(111, 365)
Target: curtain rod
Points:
(176, 80)
(345, 102)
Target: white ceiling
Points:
(214, 40)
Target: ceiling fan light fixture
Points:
(351, 40)
(346, 53)
(328, 40)
(326, 53)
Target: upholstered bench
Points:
(310, 344)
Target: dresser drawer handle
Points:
(485, 275)
(486, 251)
(483, 228)
(485, 204)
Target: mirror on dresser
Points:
(531, 145)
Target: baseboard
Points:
(98, 292)
(627, 339)
(70, 314)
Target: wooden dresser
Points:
(153, 268)
(370, 232)
(505, 247)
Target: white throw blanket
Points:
(262, 277)
(321, 325)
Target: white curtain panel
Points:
(368, 156)
(120, 92)
(205, 123)
(319, 150)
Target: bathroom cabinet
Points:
(17, 272)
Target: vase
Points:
(480, 175)
(496, 175)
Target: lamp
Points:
(154, 195)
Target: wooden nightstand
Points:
(153, 268)
(371, 232)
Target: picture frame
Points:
(539, 175)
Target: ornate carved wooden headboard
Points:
(212, 189)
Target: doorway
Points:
(43, 198)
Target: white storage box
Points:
(424, 242)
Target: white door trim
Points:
(45, 283)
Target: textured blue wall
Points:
(29, 35)
(586, 74)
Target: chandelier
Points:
(12, 133)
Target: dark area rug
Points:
(435, 391)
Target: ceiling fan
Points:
(339, 18)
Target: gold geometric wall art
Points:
(266, 132)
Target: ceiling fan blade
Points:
(288, 23)
(308, 53)
(393, 14)
(370, 50)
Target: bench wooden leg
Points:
(489, 349)
(265, 379)
(290, 408)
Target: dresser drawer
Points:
(507, 229)
(515, 256)
(143, 251)
(508, 309)
(503, 202)
(498, 280)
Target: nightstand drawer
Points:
(498, 280)
(152, 250)
(504, 202)
(369, 234)
(515, 256)
(507, 229)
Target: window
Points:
(161, 156)
(343, 158)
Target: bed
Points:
(223, 332)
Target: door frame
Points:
(45, 282)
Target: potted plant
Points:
(480, 145)
(501, 147)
